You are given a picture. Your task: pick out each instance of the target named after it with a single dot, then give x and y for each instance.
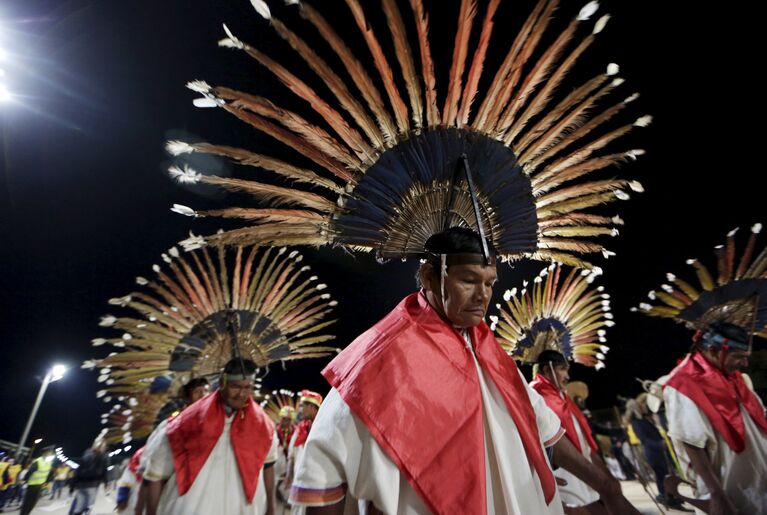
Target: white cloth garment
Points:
(576, 492)
(743, 476)
(129, 480)
(340, 450)
(216, 489)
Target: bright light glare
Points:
(5, 95)
(57, 372)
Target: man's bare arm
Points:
(568, 457)
(153, 493)
(720, 504)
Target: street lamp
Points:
(54, 374)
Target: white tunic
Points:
(576, 492)
(216, 489)
(743, 476)
(340, 450)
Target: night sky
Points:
(84, 198)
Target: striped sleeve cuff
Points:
(554, 439)
(316, 496)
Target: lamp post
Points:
(54, 374)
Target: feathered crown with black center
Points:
(390, 170)
(259, 304)
(736, 293)
(561, 312)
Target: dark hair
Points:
(551, 356)
(187, 389)
(456, 240)
(238, 365)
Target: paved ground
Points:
(105, 503)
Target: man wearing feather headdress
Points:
(718, 424)
(551, 379)
(217, 455)
(715, 421)
(428, 414)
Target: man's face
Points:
(468, 289)
(198, 393)
(307, 410)
(285, 421)
(236, 393)
(558, 373)
(735, 360)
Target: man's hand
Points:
(721, 505)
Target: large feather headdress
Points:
(561, 312)
(738, 294)
(207, 307)
(391, 169)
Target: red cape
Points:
(193, 434)
(134, 462)
(565, 408)
(302, 432)
(719, 397)
(411, 380)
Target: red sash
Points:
(719, 397)
(565, 408)
(193, 434)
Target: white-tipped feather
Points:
(176, 147)
(756, 228)
(621, 195)
(587, 11)
(613, 69)
(183, 210)
(107, 321)
(97, 342)
(651, 295)
(261, 8)
(193, 242)
(609, 323)
(732, 232)
(617, 220)
(636, 186)
(691, 261)
(141, 281)
(206, 102)
(643, 121)
(617, 82)
(607, 254)
(120, 301)
(186, 176)
(645, 307)
(173, 251)
(634, 154)
(199, 86)
(667, 288)
(232, 41)
(601, 24)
